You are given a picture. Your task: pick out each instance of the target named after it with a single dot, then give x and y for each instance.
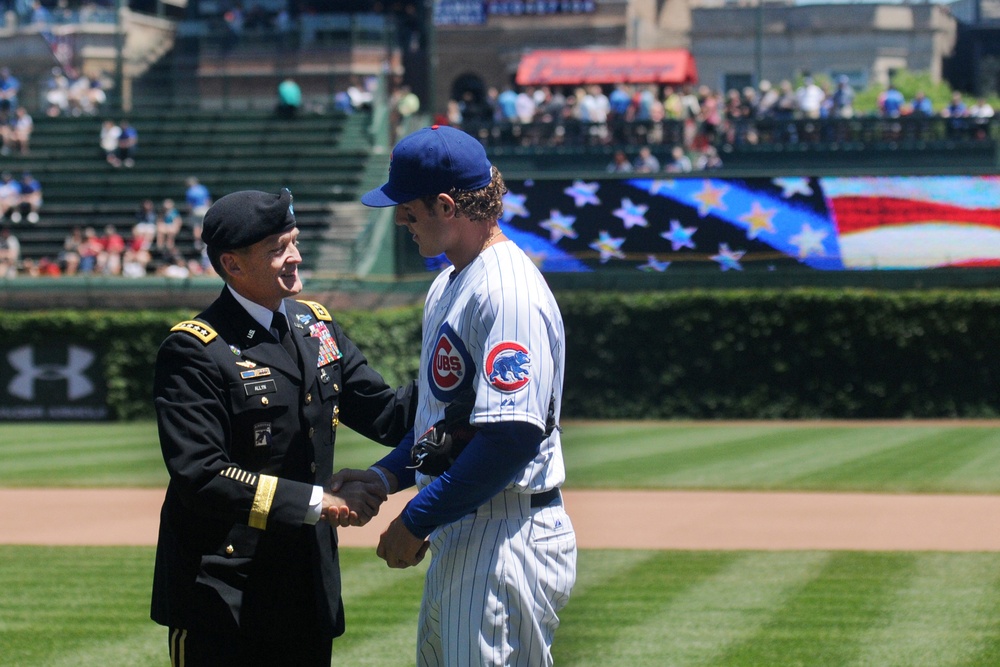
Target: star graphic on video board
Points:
(793, 186)
(809, 241)
(559, 226)
(679, 237)
(583, 193)
(759, 219)
(513, 205)
(633, 215)
(728, 259)
(709, 198)
(608, 247)
(652, 265)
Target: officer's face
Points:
(267, 271)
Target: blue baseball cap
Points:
(432, 160)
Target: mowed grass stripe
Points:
(781, 456)
(698, 624)
(943, 616)
(75, 605)
(918, 462)
(825, 622)
(381, 607)
(89, 606)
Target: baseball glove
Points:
(440, 445)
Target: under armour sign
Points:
(57, 381)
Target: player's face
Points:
(267, 271)
(430, 232)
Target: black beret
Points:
(243, 218)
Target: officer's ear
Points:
(231, 263)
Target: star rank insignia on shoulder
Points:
(319, 310)
(199, 330)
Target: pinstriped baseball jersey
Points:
(495, 327)
(499, 576)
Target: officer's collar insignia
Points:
(251, 333)
(246, 364)
(237, 351)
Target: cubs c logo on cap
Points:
(448, 368)
(507, 366)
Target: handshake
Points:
(352, 497)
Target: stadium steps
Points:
(320, 158)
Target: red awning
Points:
(565, 67)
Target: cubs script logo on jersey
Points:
(507, 366)
(449, 365)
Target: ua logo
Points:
(78, 385)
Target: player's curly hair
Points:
(483, 204)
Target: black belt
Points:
(546, 498)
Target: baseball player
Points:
(489, 463)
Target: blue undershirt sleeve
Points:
(485, 467)
(398, 460)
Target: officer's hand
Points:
(336, 511)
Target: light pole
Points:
(758, 50)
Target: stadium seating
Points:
(321, 158)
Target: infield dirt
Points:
(688, 520)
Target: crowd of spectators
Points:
(694, 117)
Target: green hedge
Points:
(755, 354)
(748, 354)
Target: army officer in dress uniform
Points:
(248, 398)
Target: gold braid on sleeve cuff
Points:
(262, 501)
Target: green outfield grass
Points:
(88, 606)
(942, 457)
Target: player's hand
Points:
(400, 548)
(356, 502)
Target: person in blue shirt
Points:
(10, 87)
(198, 201)
(892, 102)
(921, 105)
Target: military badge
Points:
(328, 350)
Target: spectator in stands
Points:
(10, 88)
(809, 98)
(138, 254)
(10, 195)
(69, 256)
(842, 100)
(646, 162)
(113, 247)
(406, 105)
(289, 99)
(891, 102)
(109, 142)
(921, 106)
(17, 133)
(360, 95)
(91, 252)
(680, 162)
(10, 253)
(956, 107)
(168, 225)
(145, 226)
(57, 93)
(30, 200)
(40, 15)
(619, 163)
(128, 144)
(981, 109)
(507, 103)
(198, 201)
(768, 99)
(708, 159)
